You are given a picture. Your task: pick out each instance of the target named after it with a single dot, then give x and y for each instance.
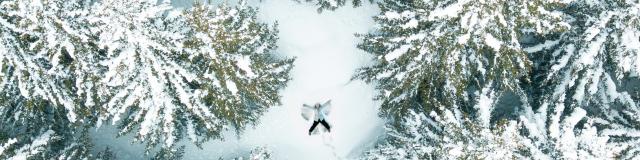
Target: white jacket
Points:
(318, 111)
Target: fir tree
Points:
(151, 69)
(39, 129)
(260, 153)
(333, 4)
(194, 73)
(106, 154)
(448, 137)
(43, 53)
(461, 55)
(456, 58)
(42, 59)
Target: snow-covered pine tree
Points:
(452, 59)
(446, 137)
(580, 104)
(42, 58)
(193, 73)
(106, 154)
(589, 77)
(43, 53)
(460, 55)
(333, 4)
(39, 129)
(12, 148)
(260, 153)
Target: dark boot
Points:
(326, 125)
(313, 126)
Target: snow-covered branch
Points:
(333, 4)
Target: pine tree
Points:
(149, 68)
(10, 149)
(460, 55)
(449, 137)
(43, 52)
(456, 58)
(195, 73)
(260, 153)
(39, 129)
(106, 154)
(333, 4)
(42, 58)
(588, 69)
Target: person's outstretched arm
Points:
(308, 106)
(326, 107)
(307, 112)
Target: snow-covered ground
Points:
(325, 48)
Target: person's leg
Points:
(326, 125)
(315, 123)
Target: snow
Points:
(568, 140)
(35, 147)
(485, 105)
(333, 3)
(456, 151)
(233, 88)
(588, 56)
(630, 40)
(554, 126)
(7, 145)
(464, 38)
(449, 11)
(191, 133)
(591, 32)
(413, 23)
(579, 91)
(546, 45)
(324, 46)
(392, 15)
(244, 63)
(492, 42)
(562, 62)
(397, 52)
(326, 57)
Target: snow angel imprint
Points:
(318, 112)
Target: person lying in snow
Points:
(318, 112)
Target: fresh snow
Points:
(631, 42)
(244, 63)
(590, 52)
(464, 38)
(485, 105)
(492, 42)
(391, 15)
(596, 29)
(449, 11)
(546, 45)
(233, 88)
(333, 3)
(568, 140)
(397, 52)
(326, 58)
(324, 46)
(413, 23)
